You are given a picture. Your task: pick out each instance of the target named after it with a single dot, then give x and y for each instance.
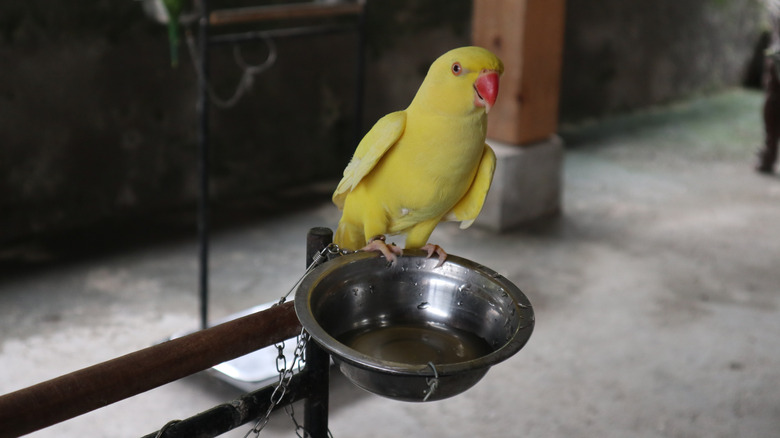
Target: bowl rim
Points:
(341, 352)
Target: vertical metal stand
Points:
(203, 165)
(360, 76)
(315, 408)
(203, 114)
(317, 239)
(315, 415)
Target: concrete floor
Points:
(656, 294)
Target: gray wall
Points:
(95, 124)
(622, 55)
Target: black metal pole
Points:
(317, 240)
(315, 415)
(203, 165)
(360, 73)
(225, 417)
(315, 408)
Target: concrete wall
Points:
(95, 124)
(622, 55)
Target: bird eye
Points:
(456, 68)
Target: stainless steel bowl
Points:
(410, 331)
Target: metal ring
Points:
(432, 383)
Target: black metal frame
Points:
(314, 384)
(82, 391)
(204, 41)
(70, 395)
(311, 384)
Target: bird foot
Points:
(431, 249)
(378, 244)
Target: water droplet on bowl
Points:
(423, 305)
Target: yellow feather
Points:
(377, 141)
(468, 208)
(422, 165)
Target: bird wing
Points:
(469, 206)
(383, 135)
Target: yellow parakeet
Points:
(426, 164)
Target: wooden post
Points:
(528, 37)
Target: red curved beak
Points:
(486, 89)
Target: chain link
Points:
(329, 251)
(433, 382)
(299, 357)
(248, 71)
(285, 376)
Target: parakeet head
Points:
(461, 81)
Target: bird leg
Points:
(431, 249)
(377, 243)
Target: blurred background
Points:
(97, 128)
(655, 284)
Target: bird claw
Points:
(431, 249)
(389, 251)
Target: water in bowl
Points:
(417, 344)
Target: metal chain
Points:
(248, 71)
(288, 408)
(329, 251)
(285, 376)
(299, 357)
(299, 429)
